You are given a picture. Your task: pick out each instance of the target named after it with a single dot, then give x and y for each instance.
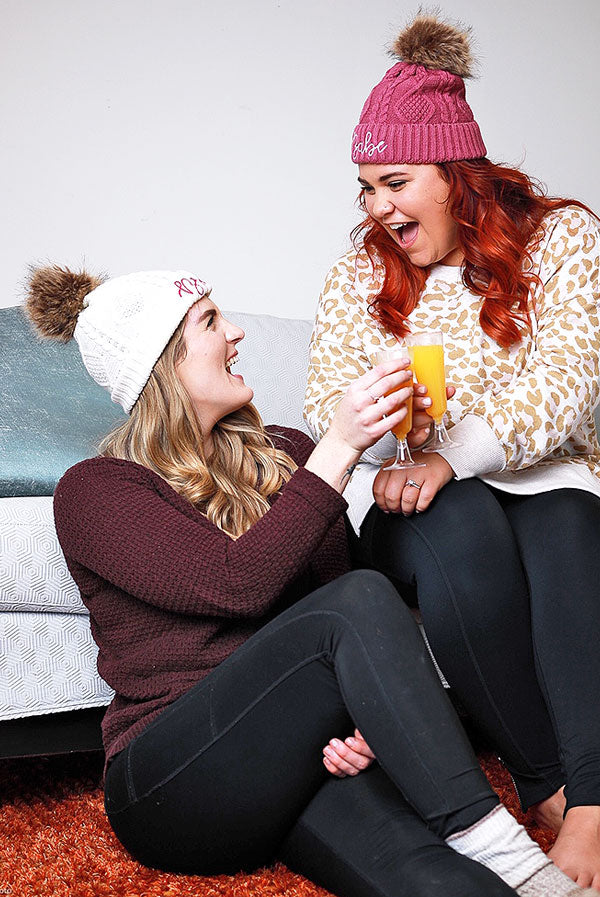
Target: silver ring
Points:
(412, 483)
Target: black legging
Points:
(230, 776)
(509, 591)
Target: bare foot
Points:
(577, 847)
(549, 813)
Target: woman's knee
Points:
(565, 516)
(364, 580)
(466, 518)
(366, 586)
(464, 525)
(359, 593)
(564, 563)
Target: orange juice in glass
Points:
(403, 457)
(426, 350)
(402, 429)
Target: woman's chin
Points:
(247, 394)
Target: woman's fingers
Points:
(417, 437)
(395, 370)
(347, 758)
(372, 405)
(389, 410)
(378, 417)
(413, 488)
(421, 390)
(388, 487)
(422, 421)
(358, 743)
(424, 483)
(384, 396)
(331, 767)
(411, 494)
(379, 486)
(390, 382)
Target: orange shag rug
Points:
(55, 840)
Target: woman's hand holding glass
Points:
(427, 356)
(403, 457)
(373, 404)
(422, 422)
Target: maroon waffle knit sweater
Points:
(170, 595)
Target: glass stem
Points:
(403, 451)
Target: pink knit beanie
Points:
(418, 112)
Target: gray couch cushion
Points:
(52, 414)
(273, 359)
(33, 572)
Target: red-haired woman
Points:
(497, 537)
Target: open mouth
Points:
(407, 232)
(229, 364)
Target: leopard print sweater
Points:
(524, 415)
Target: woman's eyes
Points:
(210, 320)
(391, 185)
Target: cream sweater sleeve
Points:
(336, 354)
(344, 336)
(557, 389)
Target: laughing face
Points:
(411, 202)
(205, 371)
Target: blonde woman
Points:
(255, 677)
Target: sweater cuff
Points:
(326, 500)
(480, 450)
(383, 448)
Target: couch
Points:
(52, 415)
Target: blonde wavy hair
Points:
(163, 433)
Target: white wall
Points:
(214, 135)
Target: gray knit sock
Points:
(551, 882)
(500, 843)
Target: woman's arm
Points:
(371, 405)
(338, 353)
(126, 525)
(556, 392)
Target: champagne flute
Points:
(403, 457)
(426, 350)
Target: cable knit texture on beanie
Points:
(418, 112)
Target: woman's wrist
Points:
(333, 460)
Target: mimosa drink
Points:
(428, 367)
(426, 350)
(401, 430)
(405, 426)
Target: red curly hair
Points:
(497, 210)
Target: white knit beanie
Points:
(121, 325)
(126, 323)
